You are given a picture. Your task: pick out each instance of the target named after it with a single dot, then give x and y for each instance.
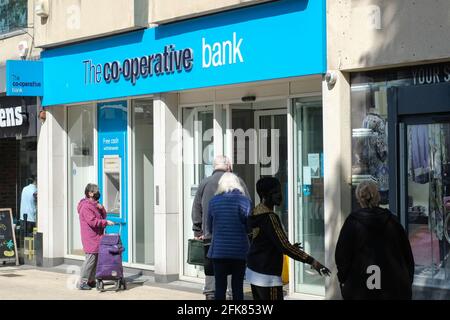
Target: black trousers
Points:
(208, 267)
(26, 231)
(267, 293)
(224, 267)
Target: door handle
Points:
(157, 195)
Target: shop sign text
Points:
(167, 62)
(11, 117)
(431, 74)
(24, 78)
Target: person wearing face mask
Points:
(92, 224)
(269, 243)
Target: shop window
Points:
(143, 178)
(370, 138)
(198, 156)
(309, 223)
(81, 166)
(13, 15)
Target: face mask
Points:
(96, 196)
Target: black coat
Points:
(269, 243)
(374, 237)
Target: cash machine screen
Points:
(112, 184)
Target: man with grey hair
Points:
(205, 192)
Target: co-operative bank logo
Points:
(169, 61)
(18, 85)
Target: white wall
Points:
(75, 20)
(261, 90)
(374, 33)
(163, 11)
(167, 214)
(337, 162)
(51, 185)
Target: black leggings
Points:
(267, 293)
(224, 267)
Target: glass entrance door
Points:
(271, 126)
(425, 196)
(309, 222)
(198, 156)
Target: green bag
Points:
(196, 252)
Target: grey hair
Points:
(229, 182)
(91, 187)
(222, 162)
(367, 194)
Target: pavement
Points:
(30, 283)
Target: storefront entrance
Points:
(267, 154)
(426, 192)
(253, 135)
(423, 176)
(272, 137)
(18, 169)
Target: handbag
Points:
(196, 252)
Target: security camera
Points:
(331, 77)
(22, 48)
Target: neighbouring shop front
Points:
(20, 86)
(145, 113)
(18, 163)
(401, 138)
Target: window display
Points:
(421, 155)
(81, 167)
(369, 138)
(428, 158)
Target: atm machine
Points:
(112, 183)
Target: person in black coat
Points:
(269, 243)
(373, 254)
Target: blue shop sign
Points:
(24, 78)
(280, 39)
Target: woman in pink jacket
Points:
(92, 224)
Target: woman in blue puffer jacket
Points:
(228, 211)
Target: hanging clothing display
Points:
(419, 153)
(437, 153)
(377, 152)
(446, 160)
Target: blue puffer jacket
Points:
(228, 214)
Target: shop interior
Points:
(429, 199)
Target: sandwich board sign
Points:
(8, 245)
